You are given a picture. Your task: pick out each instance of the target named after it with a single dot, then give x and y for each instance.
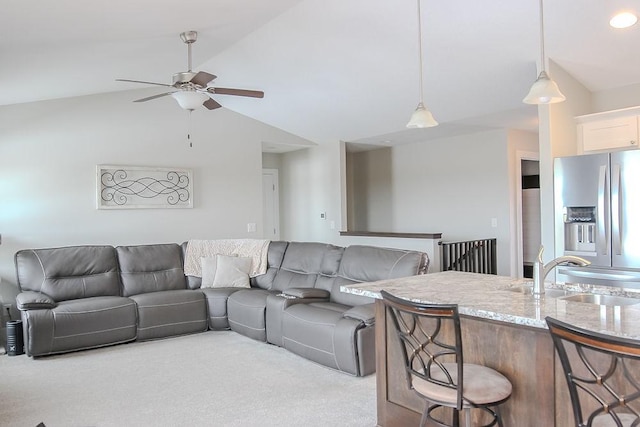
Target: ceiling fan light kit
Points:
(189, 99)
(192, 88)
(544, 90)
(421, 117)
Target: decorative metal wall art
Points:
(136, 187)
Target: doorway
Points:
(270, 204)
(530, 214)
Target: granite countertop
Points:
(504, 299)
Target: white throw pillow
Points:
(232, 272)
(208, 266)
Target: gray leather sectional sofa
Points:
(82, 297)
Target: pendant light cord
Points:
(420, 50)
(421, 117)
(542, 64)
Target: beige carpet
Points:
(208, 379)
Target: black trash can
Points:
(15, 341)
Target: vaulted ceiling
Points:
(330, 69)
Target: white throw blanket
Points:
(250, 248)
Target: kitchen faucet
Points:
(542, 270)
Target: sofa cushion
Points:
(370, 264)
(150, 268)
(304, 262)
(193, 282)
(275, 255)
(329, 267)
(79, 324)
(232, 272)
(217, 306)
(246, 309)
(93, 272)
(208, 266)
(168, 313)
(321, 333)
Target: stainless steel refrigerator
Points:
(597, 217)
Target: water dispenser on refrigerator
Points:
(580, 229)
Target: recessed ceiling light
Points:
(623, 20)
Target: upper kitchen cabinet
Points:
(611, 130)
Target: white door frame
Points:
(273, 173)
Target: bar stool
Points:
(602, 372)
(434, 364)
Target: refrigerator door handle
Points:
(607, 275)
(603, 216)
(616, 209)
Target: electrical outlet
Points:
(323, 215)
(251, 227)
(494, 222)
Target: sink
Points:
(601, 299)
(528, 290)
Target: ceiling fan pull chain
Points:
(189, 130)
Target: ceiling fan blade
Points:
(149, 98)
(202, 78)
(139, 81)
(211, 104)
(237, 92)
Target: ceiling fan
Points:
(191, 89)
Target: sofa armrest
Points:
(365, 312)
(34, 301)
(305, 293)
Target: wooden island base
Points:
(503, 327)
(523, 354)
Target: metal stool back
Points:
(432, 351)
(602, 373)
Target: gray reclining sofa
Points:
(81, 297)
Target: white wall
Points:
(614, 99)
(309, 185)
(452, 185)
(49, 152)
(370, 190)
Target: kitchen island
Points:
(503, 327)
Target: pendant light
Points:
(421, 118)
(544, 90)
